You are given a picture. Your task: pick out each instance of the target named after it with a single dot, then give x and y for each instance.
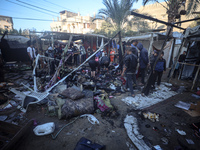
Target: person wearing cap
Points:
(130, 68)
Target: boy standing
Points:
(159, 68)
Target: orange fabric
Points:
(112, 56)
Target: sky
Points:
(50, 9)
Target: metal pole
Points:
(164, 43)
(156, 20)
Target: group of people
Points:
(137, 53)
(134, 61)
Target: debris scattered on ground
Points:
(151, 116)
(183, 105)
(91, 118)
(86, 144)
(181, 132)
(189, 141)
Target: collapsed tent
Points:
(13, 48)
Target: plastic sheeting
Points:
(141, 102)
(131, 126)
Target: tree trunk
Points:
(171, 19)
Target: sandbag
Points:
(72, 93)
(75, 108)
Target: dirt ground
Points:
(111, 132)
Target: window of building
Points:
(6, 27)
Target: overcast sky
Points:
(50, 9)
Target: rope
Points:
(54, 137)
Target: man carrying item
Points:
(143, 60)
(31, 54)
(130, 68)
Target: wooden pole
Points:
(120, 40)
(164, 43)
(194, 81)
(172, 52)
(176, 61)
(150, 45)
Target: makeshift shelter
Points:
(190, 43)
(13, 48)
(92, 40)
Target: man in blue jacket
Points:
(143, 60)
(159, 68)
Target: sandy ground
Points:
(110, 131)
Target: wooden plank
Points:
(9, 128)
(22, 132)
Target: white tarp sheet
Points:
(141, 102)
(131, 126)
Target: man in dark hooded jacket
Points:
(143, 60)
(130, 68)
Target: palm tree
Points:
(116, 12)
(175, 8)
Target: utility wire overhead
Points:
(31, 19)
(59, 6)
(41, 8)
(29, 7)
(37, 7)
(37, 19)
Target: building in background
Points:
(75, 23)
(158, 11)
(6, 23)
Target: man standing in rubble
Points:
(130, 68)
(143, 60)
(31, 54)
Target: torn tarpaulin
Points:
(131, 126)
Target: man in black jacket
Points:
(130, 68)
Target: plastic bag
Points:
(44, 129)
(92, 119)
